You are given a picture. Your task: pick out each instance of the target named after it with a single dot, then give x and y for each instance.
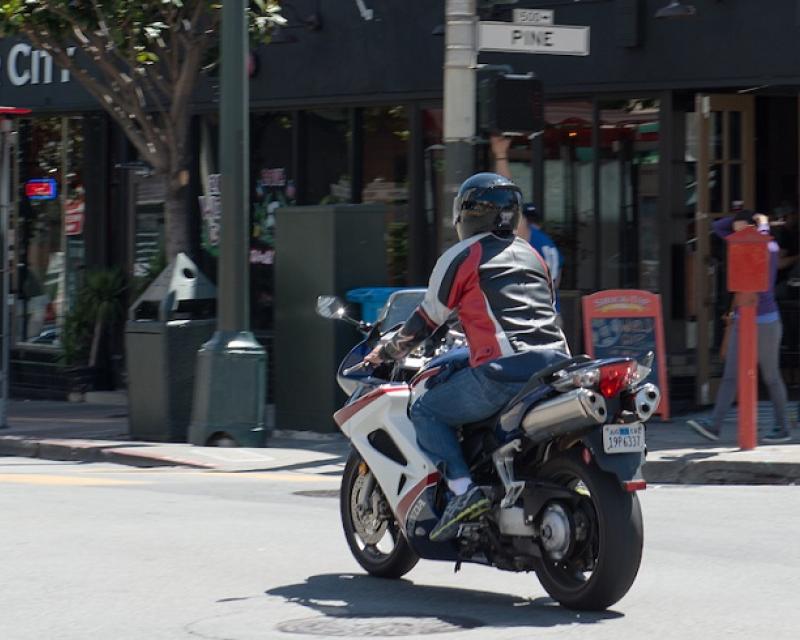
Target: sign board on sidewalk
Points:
(627, 323)
(534, 16)
(522, 38)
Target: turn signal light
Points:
(616, 377)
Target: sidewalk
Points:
(98, 433)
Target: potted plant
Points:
(98, 308)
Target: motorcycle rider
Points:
(502, 292)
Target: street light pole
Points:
(234, 141)
(230, 384)
(460, 59)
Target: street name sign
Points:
(522, 38)
(534, 16)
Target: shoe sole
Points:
(700, 429)
(768, 440)
(480, 507)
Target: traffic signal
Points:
(510, 103)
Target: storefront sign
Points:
(534, 16)
(41, 189)
(211, 211)
(26, 65)
(73, 217)
(628, 323)
(520, 38)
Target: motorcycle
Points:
(561, 464)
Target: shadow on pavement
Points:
(360, 596)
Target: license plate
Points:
(623, 438)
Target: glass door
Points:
(725, 179)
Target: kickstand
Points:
(457, 568)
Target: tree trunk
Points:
(176, 228)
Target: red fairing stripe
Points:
(411, 497)
(424, 376)
(345, 413)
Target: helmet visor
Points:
(483, 201)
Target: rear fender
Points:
(626, 466)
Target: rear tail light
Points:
(616, 377)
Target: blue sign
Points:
(41, 189)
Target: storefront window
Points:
(274, 186)
(328, 153)
(433, 135)
(49, 227)
(569, 189)
(629, 134)
(386, 139)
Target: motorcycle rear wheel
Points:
(615, 543)
(393, 562)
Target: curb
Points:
(89, 451)
(688, 472)
(721, 472)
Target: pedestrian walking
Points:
(770, 331)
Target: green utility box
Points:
(319, 250)
(166, 326)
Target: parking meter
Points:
(748, 273)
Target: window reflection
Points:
(569, 188)
(629, 158)
(386, 139)
(51, 244)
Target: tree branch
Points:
(138, 136)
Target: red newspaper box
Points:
(748, 273)
(748, 261)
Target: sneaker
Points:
(777, 436)
(467, 506)
(704, 428)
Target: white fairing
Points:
(388, 411)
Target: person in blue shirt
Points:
(543, 243)
(530, 225)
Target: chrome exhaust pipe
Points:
(646, 401)
(569, 412)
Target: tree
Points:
(141, 60)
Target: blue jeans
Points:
(467, 396)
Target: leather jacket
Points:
(502, 292)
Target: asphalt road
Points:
(115, 553)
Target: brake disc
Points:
(369, 523)
(556, 531)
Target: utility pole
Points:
(230, 384)
(5, 315)
(460, 60)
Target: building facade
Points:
(663, 124)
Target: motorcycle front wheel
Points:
(371, 531)
(592, 548)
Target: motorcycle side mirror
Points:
(331, 307)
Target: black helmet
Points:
(487, 202)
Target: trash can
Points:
(371, 299)
(166, 327)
